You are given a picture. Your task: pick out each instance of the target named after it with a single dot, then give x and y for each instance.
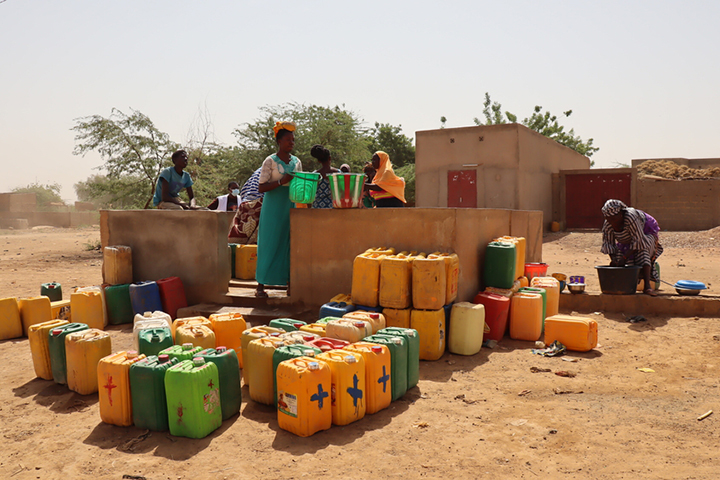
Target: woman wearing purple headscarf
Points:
(630, 237)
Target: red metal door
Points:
(585, 194)
(462, 189)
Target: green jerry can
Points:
(186, 351)
(286, 352)
(543, 294)
(119, 306)
(325, 320)
(152, 341)
(500, 265)
(413, 340)
(147, 391)
(193, 398)
(398, 347)
(56, 347)
(52, 290)
(229, 373)
(287, 324)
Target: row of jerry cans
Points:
(383, 278)
(504, 261)
(126, 300)
(316, 390)
(18, 315)
(188, 391)
(243, 261)
(156, 331)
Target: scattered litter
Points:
(539, 344)
(129, 446)
(466, 400)
(705, 415)
(555, 349)
(552, 431)
(539, 370)
(523, 393)
(637, 318)
(564, 373)
(421, 425)
(646, 370)
(562, 391)
(451, 362)
(716, 337)
(133, 477)
(490, 343)
(570, 359)
(517, 423)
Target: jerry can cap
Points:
(198, 361)
(221, 349)
(396, 340)
(374, 316)
(147, 314)
(359, 324)
(308, 338)
(376, 348)
(187, 346)
(309, 353)
(132, 354)
(57, 331)
(313, 366)
(275, 334)
(410, 332)
(350, 359)
(298, 325)
(163, 358)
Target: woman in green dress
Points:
(273, 255)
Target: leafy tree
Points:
(122, 192)
(130, 145)
(392, 141)
(45, 195)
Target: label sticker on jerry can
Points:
(287, 404)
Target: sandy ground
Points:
(481, 416)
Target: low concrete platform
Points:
(253, 316)
(639, 304)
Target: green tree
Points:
(121, 192)
(45, 195)
(390, 139)
(130, 145)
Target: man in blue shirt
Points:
(171, 182)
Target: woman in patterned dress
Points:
(630, 237)
(247, 218)
(323, 198)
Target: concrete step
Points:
(665, 303)
(253, 316)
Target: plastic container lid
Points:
(221, 349)
(377, 349)
(298, 325)
(308, 338)
(163, 358)
(309, 353)
(57, 331)
(350, 359)
(314, 366)
(410, 332)
(132, 354)
(359, 324)
(198, 361)
(690, 285)
(396, 340)
(275, 334)
(374, 316)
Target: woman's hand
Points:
(286, 179)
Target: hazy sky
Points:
(640, 76)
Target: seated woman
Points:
(387, 189)
(323, 198)
(630, 237)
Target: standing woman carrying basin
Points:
(273, 257)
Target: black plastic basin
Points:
(618, 280)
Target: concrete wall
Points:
(54, 219)
(191, 245)
(689, 162)
(18, 202)
(685, 205)
(513, 164)
(325, 242)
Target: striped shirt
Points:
(249, 191)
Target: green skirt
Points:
(273, 253)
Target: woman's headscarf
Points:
(289, 126)
(613, 207)
(386, 179)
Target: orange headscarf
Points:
(289, 126)
(386, 179)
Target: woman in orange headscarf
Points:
(387, 189)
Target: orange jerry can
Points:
(366, 279)
(397, 318)
(249, 335)
(576, 333)
(83, 351)
(316, 328)
(452, 275)
(526, 316)
(34, 310)
(10, 323)
(88, 308)
(347, 391)
(304, 404)
(377, 320)
(199, 335)
(117, 265)
(39, 347)
(429, 283)
(259, 366)
(245, 261)
(114, 388)
(228, 328)
(349, 330)
(378, 391)
(189, 321)
(430, 325)
(395, 281)
(552, 290)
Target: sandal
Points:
(261, 293)
(650, 291)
